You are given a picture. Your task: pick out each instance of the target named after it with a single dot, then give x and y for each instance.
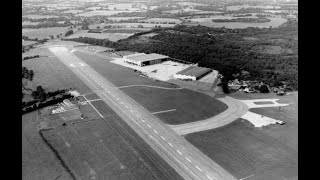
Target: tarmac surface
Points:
(186, 159)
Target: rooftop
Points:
(141, 57)
(194, 71)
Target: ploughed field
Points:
(245, 151)
(190, 105)
(107, 149)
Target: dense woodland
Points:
(221, 49)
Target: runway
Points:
(187, 160)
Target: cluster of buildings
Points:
(66, 105)
(192, 73)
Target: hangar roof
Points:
(141, 57)
(194, 71)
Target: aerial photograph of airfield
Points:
(159, 89)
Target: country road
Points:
(187, 160)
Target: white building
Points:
(142, 59)
(192, 73)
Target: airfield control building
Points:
(142, 59)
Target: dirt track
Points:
(235, 110)
(187, 160)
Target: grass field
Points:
(107, 149)
(190, 105)
(100, 13)
(245, 151)
(111, 36)
(52, 74)
(124, 18)
(161, 20)
(29, 23)
(26, 43)
(129, 25)
(38, 162)
(42, 33)
(38, 16)
(92, 96)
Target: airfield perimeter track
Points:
(186, 159)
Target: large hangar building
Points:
(192, 73)
(142, 59)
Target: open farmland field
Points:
(275, 22)
(42, 33)
(72, 11)
(131, 25)
(116, 74)
(38, 16)
(26, 43)
(124, 18)
(162, 20)
(107, 149)
(38, 161)
(111, 36)
(190, 106)
(52, 74)
(29, 23)
(246, 152)
(100, 13)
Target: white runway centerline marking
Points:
(155, 131)
(209, 177)
(179, 152)
(198, 168)
(148, 125)
(170, 144)
(162, 138)
(131, 111)
(142, 120)
(188, 159)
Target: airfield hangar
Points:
(192, 73)
(142, 59)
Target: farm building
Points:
(192, 73)
(142, 59)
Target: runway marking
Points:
(155, 131)
(142, 120)
(162, 138)
(148, 125)
(179, 152)
(188, 159)
(198, 168)
(131, 111)
(121, 102)
(117, 99)
(209, 177)
(246, 177)
(163, 111)
(170, 144)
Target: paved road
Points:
(187, 160)
(235, 110)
